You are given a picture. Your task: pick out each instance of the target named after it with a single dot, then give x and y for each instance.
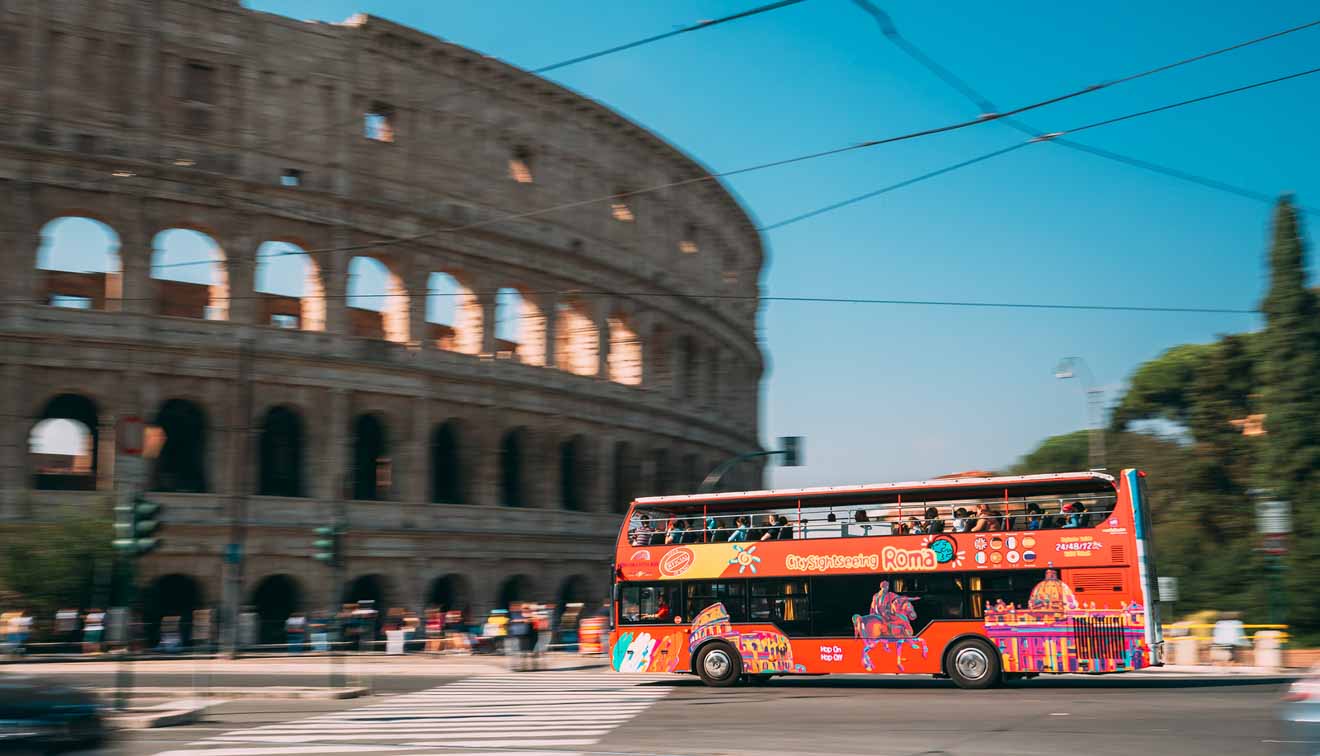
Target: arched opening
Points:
(189, 270)
(625, 357)
(660, 363)
(168, 605)
(453, 315)
(288, 282)
(519, 327)
(181, 465)
(624, 478)
(366, 588)
(577, 342)
(372, 473)
(79, 264)
(446, 465)
(377, 301)
(515, 588)
(275, 598)
(450, 592)
(63, 445)
(663, 473)
(575, 590)
(512, 448)
(281, 453)
(571, 473)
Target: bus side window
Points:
(703, 594)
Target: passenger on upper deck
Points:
(785, 531)
(675, 531)
(915, 526)
(1076, 515)
(641, 535)
(987, 519)
(933, 522)
(768, 531)
(863, 519)
(961, 523)
(740, 527)
(1034, 516)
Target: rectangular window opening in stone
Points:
(291, 177)
(378, 123)
(284, 321)
(197, 82)
(70, 301)
(688, 243)
(622, 212)
(520, 165)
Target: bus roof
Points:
(927, 490)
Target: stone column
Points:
(13, 436)
(416, 461)
(240, 267)
(600, 311)
(483, 481)
(335, 272)
(335, 451)
(487, 300)
(548, 301)
(135, 267)
(106, 442)
(418, 279)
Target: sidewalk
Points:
(411, 664)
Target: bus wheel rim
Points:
(717, 663)
(971, 663)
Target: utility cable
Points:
(890, 30)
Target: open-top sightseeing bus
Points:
(976, 579)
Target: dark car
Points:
(40, 716)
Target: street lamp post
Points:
(1095, 398)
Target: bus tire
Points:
(718, 665)
(972, 664)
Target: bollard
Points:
(1185, 650)
(1269, 650)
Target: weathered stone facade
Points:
(637, 369)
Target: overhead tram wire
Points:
(986, 117)
(890, 30)
(1034, 140)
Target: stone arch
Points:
(274, 599)
(625, 477)
(370, 587)
(625, 355)
(290, 286)
(575, 589)
(79, 263)
(453, 314)
(181, 464)
(513, 464)
(191, 281)
(372, 466)
(377, 300)
(577, 340)
(515, 588)
(520, 326)
(451, 591)
(573, 473)
(64, 445)
(448, 484)
(172, 595)
(281, 450)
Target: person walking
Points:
(295, 629)
(93, 631)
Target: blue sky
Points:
(889, 392)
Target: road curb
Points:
(171, 714)
(274, 692)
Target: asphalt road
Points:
(676, 715)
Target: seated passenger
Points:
(769, 530)
(785, 530)
(740, 526)
(1034, 516)
(641, 535)
(864, 520)
(933, 522)
(674, 531)
(987, 519)
(961, 523)
(1076, 515)
(915, 526)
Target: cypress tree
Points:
(1290, 398)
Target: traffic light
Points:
(327, 544)
(792, 450)
(137, 525)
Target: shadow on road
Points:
(839, 682)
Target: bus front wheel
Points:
(973, 664)
(719, 665)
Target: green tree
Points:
(1290, 398)
(1162, 387)
(48, 566)
(1066, 453)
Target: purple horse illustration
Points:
(890, 621)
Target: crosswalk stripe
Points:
(524, 712)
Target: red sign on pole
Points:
(1276, 544)
(130, 435)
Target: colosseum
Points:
(600, 341)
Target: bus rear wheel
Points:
(719, 665)
(973, 665)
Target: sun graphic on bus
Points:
(746, 559)
(946, 550)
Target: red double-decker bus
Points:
(976, 579)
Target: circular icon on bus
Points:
(996, 542)
(996, 557)
(944, 549)
(980, 557)
(1012, 557)
(979, 543)
(1028, 542)
(1012, 542)
(1029, 556)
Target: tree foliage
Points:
(48, 566)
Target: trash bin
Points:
(1269, 650)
